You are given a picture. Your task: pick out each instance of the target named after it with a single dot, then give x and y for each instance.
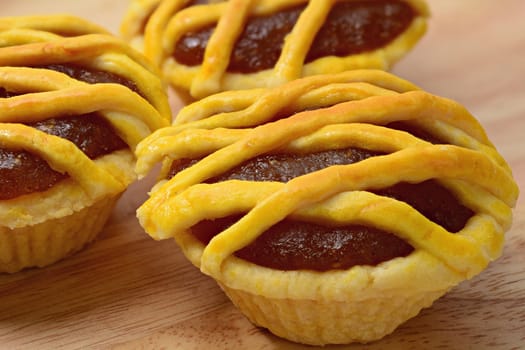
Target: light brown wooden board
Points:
(127, 291)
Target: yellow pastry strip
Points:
(136, 16)
(384, 213)
(219, 47)
(68, 50)
(64, 25)
(188, 144)
(222, 102)
(298, 41)
(22, 80)
(190, 18)
(481, 201)
(15, 37)
(153, 43)
(146, 81)
(62, 50)
(259, 112)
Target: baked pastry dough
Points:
(51, 86)
(412, 137)
(24, 29)
(234, 50)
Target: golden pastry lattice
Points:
(157, 25)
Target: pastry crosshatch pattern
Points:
(158, 27)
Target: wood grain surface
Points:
(127, 291)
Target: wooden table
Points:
(127, 291)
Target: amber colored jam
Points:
(291, 245)
(351, 27)
(296, 245)
(6, 94)
(91, 133)
(282, 167)
(22, 172)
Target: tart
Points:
(204, 47)
(74, 105)
(324, 219)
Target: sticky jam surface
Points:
(91, 133)
(351, 27)
(298, 245)
(23, 173)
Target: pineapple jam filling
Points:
(297, 245)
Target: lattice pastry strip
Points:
(170, 20)
(43, 27)
(142, 14)
(73, 111)
(413, 138)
